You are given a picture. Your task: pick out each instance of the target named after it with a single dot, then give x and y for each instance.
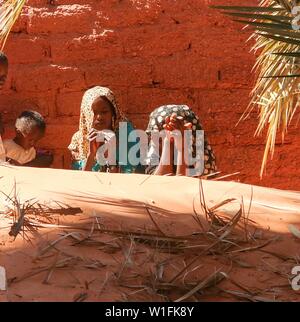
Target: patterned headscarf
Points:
(79, 145)
(157, 120)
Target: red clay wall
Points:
(150, 52)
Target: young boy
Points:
(30, 128)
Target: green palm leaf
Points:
(276, 92)
(272, 26)
(9, 13)
(260, 16)
(287, 40)
(281, 76)
(249, 9)
(297, 54)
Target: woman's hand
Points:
(94, 145)
(176, 123)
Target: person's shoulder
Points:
(9, 142)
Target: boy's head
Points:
(3, 69)
(30, 128)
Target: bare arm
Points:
(181, 165)
(41, 161)
(166, 162)
(94, 146)
(173, 123)
(89, 163)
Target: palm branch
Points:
(9, 13)
(277, 66)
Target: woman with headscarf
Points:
(180, 118)
(99, 114)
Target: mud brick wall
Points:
(150, 52)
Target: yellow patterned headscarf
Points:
(79, 145)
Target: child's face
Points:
(3, 74)
(30, 140)
(102, 115)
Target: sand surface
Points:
(118, 237)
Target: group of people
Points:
(102, 142)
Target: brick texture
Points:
(150, 52)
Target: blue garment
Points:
(121, 158)
(78, 165)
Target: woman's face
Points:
(103, 114)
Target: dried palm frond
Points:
(9, 13)
(277, 37)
